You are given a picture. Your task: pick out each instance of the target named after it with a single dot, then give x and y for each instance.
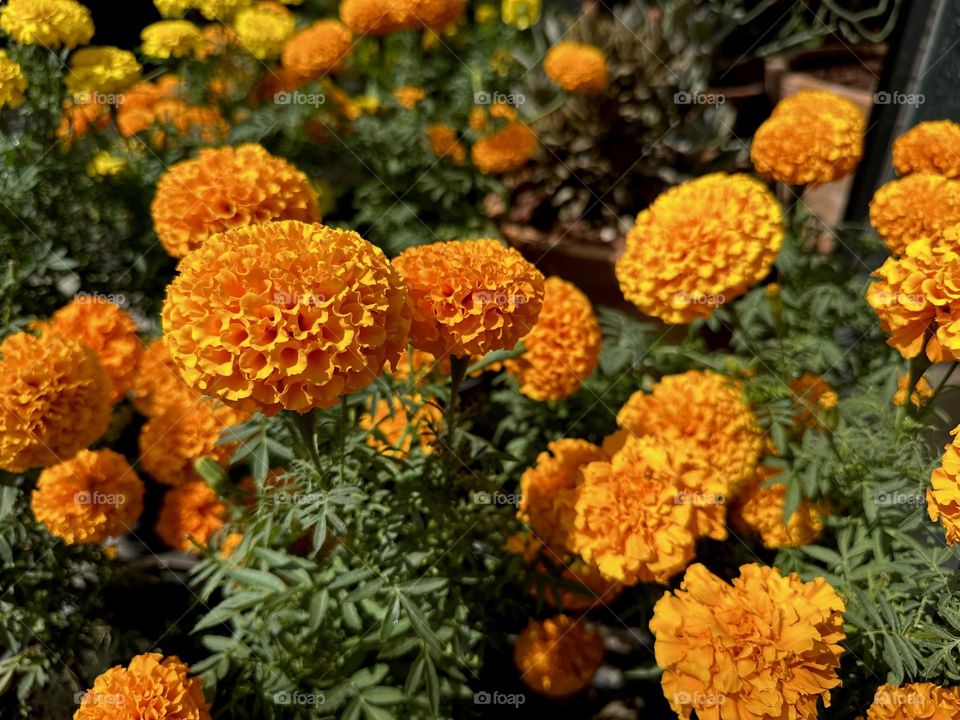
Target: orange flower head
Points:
(80, 117)
(813, 137)
(190, 514)
(557, 469)
(56, 400)
(185, 431)
(559, 656)
(444, 143)
(943, 495)
(226, 189)
(318, 50)
(932, 147)
(577, 67)
(591, 588)
(368, 17)
(399, 428)
(563, 347)
(767, 645)
(921, 392)
(409, 95)
(89, 498)
(707, 408)
(914, 207)
(469, 297)
(107, 330)
(699, 245)
(150, 686)
(437, 14)
(915, 701)
(504, 150)
(285, 315)
(158, 385)
(760, 510)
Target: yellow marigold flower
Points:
(486, 13)
(767, 644)
(921, 393)
(760, 509)
(157, 384)
(509, 148)
(399, 429)
(105, 70)
(89, 498)
(264, 29)
(637, 518)
(559, 656)
(919, 293)
(522, 14)
(221, 10)
(557, 469)
(319, 49)
(226, 189)
(914, 207)
(444, 143)
(367, 17)
(469, 297)
(170, 38)
(409, 95)
(707, 408)
(563, 347)
(107, 330)
(700, 245)
(943, 495)
(190, 514)
(188, 429)
(320, 313)
(915, 700)
(813, 137)
(12, 82)
(931, 147)
(105, 164)
(174, 8)
(51, 23)
(56, 400)
(150, 686)
(577, 67)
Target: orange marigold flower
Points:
(158, 384)
(184, 432)
(319, 49)
(392, 428)
(437, 14)
(367, 17)
(914, 207)
(51, 23)
(767, 642)
(931, 147)
(813, 137)
(915, 700)
(225, 189)
(215, 40)
(577, 67)
(150, 686)
(707, 408)
(285, 315)
(509, 148)
(919, 293)
(559, 656)
(56, 400)
(760, 509)
(409, 95)
(591, 588)
(107, 330)
(190, 514)
(89, 498)
(469, 297)
(700, 245)
(638, 517)
(79, 117)
(921, 392)
(557, 469)
(943, 495)
(563, 347)
(264, 29)
(444, 143)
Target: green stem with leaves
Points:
(306, 425)
(458, 371)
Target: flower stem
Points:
(343, 435)
(458, 370)
(307, 427)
